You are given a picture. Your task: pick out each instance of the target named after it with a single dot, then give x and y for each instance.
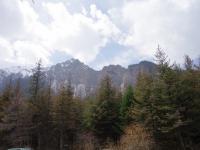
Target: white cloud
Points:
(169, 23)
(80, 35)
(5, 51)
(31, 31)
(21, 46)
(77, 34)
(11, 22)
(123, 58)
(28, 53)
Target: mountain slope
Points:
(84, 79)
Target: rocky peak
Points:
(84, 79)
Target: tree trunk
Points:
(39, 141)
(61, 141)
(181, 141)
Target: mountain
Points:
(84, 79)
(13, 74)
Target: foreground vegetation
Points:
(161, 112)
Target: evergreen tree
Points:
(156, 99)
(127, 104)
(6, 97)
(189, 105)
(14, 122)
(163, 96)
(5, 100)
(39, 107)
(88, 109)
(64, 119)
(37, 82)
(143, 110)
(43, 118)
(105, 118)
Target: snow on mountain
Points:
(84, 79)
(24, 71)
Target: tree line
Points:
(162, 111)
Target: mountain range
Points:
(84, 79)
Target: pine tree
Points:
(105, 118)
(128, 100)
(143, 110)
(37, 82)
(6, 97)
(39, 106)
(44, 118)
(164, 86)
(14, 121)
(64, 119)
(189, 104)
(156, 99)
(5, 100)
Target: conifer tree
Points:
(189, 105)
(5, 100)
(6, 97)
(38, 105)
(164, 95)
(44, 118)
(127, 102)
(15, 120)
(64, 117)
(105, 118)
(143, 110)
(156, 98)
(37, 82)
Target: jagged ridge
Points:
(84, 79)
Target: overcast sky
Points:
(97, 32)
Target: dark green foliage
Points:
(105, 121)
(6, 97)
(88, 109)
(167, 103)
(189, 105)
(143, 110)
(63, 117)
(15, 120)
(39, 107)
(37, 82)
(126, 105)
(5, 100)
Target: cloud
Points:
(123, 58)
(5, 51)
(10, 15)
(19, 43)
(31, 31)
(80, 34)
(172, 23)
(77, 34)
(28, 53)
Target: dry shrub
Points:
(86, 141)
(136, 137)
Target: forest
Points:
(161, 112)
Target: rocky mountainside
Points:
(84, 79)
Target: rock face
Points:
(84, 79)
(122, 77)
(13, 74)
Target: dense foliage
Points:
(163, 108)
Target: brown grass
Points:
(136, 137)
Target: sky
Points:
(97, 32)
